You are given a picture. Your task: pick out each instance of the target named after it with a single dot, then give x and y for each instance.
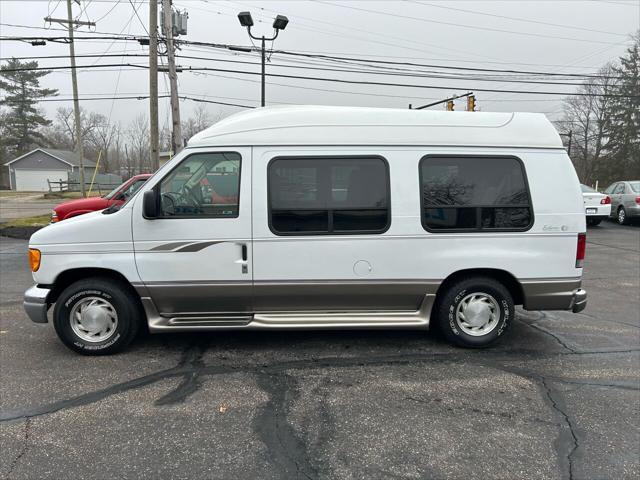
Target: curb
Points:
(23, 233)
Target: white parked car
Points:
(597, 206)
(327, 217)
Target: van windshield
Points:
(113, 192)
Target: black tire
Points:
(448, 304)
(621, 216)
(123, 302)
(593, 222)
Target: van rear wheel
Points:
(96, 316)
(475, 312)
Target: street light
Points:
(280, 23)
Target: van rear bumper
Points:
(554, 294)
(579, 300)
(35, 303)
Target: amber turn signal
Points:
(34, 259)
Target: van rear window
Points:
(328, 195)
(474, 193)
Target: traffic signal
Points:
(471, 103)
(449, 105)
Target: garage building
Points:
(31, 171)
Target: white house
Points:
(31, 171)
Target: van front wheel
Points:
(96, 316)
(475, 312)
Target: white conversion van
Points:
(327, 217)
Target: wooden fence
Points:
(67, 186)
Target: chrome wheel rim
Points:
(478, 314)
(621, 216)
(93, 319)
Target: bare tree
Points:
(138, 143)
(200, 120)
(101, 139)
(587, 118)
(65, 126)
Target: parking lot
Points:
(558, 398)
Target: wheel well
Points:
(502, 276)
(68, 277)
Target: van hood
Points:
(91, 228)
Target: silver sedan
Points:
(625, 200)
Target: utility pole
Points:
(153, 85)
(70, 23)
(262, 76)
(167, 18)
(569, 135)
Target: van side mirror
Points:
(149, 204)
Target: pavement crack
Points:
(271, 424)
(558, 340)
(192, 370)
(567, 441)
(621, 386)
(23, 451)
(192, 363)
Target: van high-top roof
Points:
(323, 125)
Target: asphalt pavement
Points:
(558, 398)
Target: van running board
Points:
(292, 320)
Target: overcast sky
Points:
(486, 34)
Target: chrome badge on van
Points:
(555, 228)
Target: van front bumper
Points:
(35, 303)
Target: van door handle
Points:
(243, 262)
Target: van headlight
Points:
(54, 217)
(34, 259)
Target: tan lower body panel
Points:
(291, 320)
(550, 294)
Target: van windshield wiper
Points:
(111, 209)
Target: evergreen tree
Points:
(624, 117)
(20, 85)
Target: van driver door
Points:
(194, 259)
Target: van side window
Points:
(328, 195)
(474, 193)
(203, 185)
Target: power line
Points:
(109, 11)
(406, 85)
(417, 74)
(321, 56)
(136, 12)
(340, 80)
(526, 20)
(339, 53)
(448, 67)
(451, 24)
(142, 97)
(351, 29)
(318, 89)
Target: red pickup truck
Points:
(118, 196)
